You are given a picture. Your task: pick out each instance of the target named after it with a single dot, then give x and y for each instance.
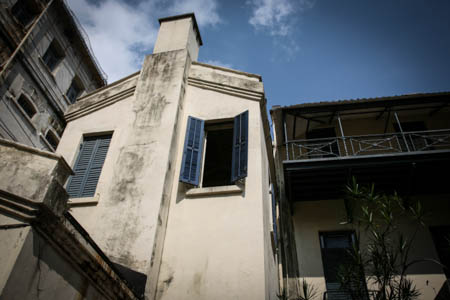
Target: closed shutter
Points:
(240, 147)
(192, 152)
(88, 166)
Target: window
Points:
(24, 11)
(88, 166)
(335, 247)
(52, 138)
(53, 56)
(27, 106)
(74, 90)
(226, 151)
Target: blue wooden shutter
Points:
(192, 152)
(88, 166)
(240, 147)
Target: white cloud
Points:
(121, 33)
(205, 10)
(276, 16)
(219, 63)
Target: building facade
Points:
(397, 143)
(45, 65)
(172, 179)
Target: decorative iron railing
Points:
(368, 144)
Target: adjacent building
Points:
(399, 143)
(45, 65)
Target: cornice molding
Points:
(226, 89)
(100, 104)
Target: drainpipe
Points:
(22, 42)
(342, 133)
(401, 130)
(285, 136)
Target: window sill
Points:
(84, 201)
(215, 190)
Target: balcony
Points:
(365, 145)
(407, 162)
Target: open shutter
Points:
(88, 166)
(192, 153)
(240, 147)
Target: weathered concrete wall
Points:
(217, 246)
(312, 217)
(12, 242)
(33, 174)
(132, 194)
(42, 273)
(176, 35)
(32, 196)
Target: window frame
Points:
(188, 152)
(77, 83)
(28, 8)
(55, 48)
(51, 131)
(29, 102)
(213, 125)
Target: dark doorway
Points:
(336, 247)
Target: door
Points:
(335, 248)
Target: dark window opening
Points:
(25, 11)
(53, 56)
(336, 247)
(74, 90)
(27, 106)
(441, 238)
(218, 156)
(52, 139)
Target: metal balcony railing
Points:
(368, 144)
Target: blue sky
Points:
(305, 50)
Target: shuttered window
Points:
(192, 153)
(88, 166)
(215, 148)
(240, 147)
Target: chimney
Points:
(179, 32)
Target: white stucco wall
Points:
(216, 247)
